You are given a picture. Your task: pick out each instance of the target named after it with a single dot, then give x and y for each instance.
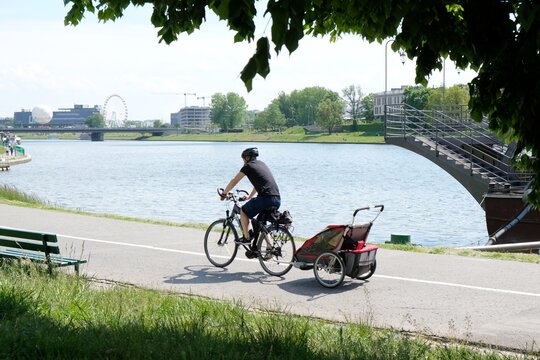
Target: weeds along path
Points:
(489, 301)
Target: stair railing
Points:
(457, 136)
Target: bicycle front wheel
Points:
(276, 250)
(219, 245)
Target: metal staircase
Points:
(465, 149)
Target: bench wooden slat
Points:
(27, 245)
(35, 256)
(25, 234)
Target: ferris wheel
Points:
(115, 111)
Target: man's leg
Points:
(244, 220)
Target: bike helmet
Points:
(251, 152)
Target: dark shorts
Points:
(259, 204)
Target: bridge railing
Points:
(459, 137)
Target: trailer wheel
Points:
(329, 269)
(366, 275)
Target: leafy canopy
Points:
(500, 39)
(95, 120)
(228, 110)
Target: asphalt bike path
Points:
(481, 300)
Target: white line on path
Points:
(458, 285)
(148, 247)
(250, 260)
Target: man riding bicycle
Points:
(264, 185)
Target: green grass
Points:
(509, 256)
(10, 194)
(67, 317)
(367, 133)
(356, 137)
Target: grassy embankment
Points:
(68, 317)
(368, 133)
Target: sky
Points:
(43, 62)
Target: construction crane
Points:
(203, 99)
(185, 97)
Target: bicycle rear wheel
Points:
(276, 250)
(219, 245)
(329, 269)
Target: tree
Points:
(444, 97)
(228, 111)
(330, 114)
(300, 106)
(270, 118)
(498, 39)
(353, 101)
(95, 120)
(368, 103)
(416, 96)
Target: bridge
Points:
(464, 148)
(96, 134)
(479, 160)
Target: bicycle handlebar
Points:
(231, 195)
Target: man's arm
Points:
(235, 180)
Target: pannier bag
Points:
(285, 218)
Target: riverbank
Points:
(9, 195)
(366, 134)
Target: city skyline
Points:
(45, 62)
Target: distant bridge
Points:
(96, 134)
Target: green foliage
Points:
(330, 114)
(270, 118)
(95, 120)
(368, 103)
(417, 96)
(300, 106)
(444, 97)
(228, 111)
(498, 39)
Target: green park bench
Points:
(34, 246)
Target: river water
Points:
(320, 184)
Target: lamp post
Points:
(402, 55)
(443, 77)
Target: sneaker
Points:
(243, 240)
(267, 255)
(250, 254)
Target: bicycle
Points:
(274, 245)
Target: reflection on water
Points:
(320, 184)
